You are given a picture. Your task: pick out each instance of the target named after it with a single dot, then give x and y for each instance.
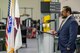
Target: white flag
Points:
(18, 38)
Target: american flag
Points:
(10, 28)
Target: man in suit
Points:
(68, 32)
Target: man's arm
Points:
(55, 33)
(73, 29)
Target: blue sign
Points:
(9, 24)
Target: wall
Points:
(74, 4)
(4, 8)
(35, 4)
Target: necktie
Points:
(61, 25)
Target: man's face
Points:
(64, 13)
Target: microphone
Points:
(51, 20)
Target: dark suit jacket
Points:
(68, 34)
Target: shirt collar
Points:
(67, 18)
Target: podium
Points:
(45, 43)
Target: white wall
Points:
(35, 4)
(4, 8)
(0, 14)
(74, 4)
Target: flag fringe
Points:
(11, 51)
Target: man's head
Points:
(66, 11)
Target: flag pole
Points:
(16, 51)
(14, 34)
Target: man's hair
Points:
(67, 8)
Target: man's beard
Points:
(64, 17)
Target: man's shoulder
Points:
(72, 19)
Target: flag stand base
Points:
(16, 51)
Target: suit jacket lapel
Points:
(65, 24)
